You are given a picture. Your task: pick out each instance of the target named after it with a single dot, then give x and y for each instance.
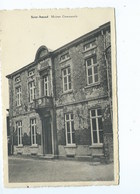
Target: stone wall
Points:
(28, 150)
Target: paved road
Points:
(31, 170)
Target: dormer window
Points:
(17, 79)
(31, 73)
(64, 57)
(89, 46)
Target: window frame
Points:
(17, 79)
(19, 132)
(72, 131)
(92, 66)
(34, 132)
(67, 79)
(66, 57)
(31, 73)
(32, 89)
(18, 96)
(44, 84)
(91, 44)
(96, 117)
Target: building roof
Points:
(44, 52)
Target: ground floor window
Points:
(33, 131)
(96, 126)
(70, 132)
(19, 131)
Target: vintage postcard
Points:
(59, 97)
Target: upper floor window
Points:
(96, 126)
(89, 46)
(66, 73)
(92, 70)
(64, 57)
(70, 132)
(46, 85)
(19, 131)
(33, 131)
(31, 73)
(31, 91)
(17, 79)
(18, 96)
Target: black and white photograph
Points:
(60, 102)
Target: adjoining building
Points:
(61, 103)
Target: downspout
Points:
(55, 145)
(107, 70)
(11, 106)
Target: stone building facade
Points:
(61, 103)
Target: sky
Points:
(22, 34)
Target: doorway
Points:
(47, 136)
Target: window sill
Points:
(67, 92)
(31, 103)
(44, 96)
(17, 83)
(98, 145)
(34, 146)
(92, 85)
(20, 146)
(18, 106)
(70, 146)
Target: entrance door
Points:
(47, 135)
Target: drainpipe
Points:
(53, 113)
(107, 70)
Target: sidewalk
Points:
(27, 169)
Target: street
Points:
(37, 170)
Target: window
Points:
(19, 131)
(66, 79)
(33, 131)
(92, 70)
(89, 46)
(17, 79)
(31, 91)
(31, 73)
(70, 132)
(64, 57)
(46, 85)
(18, 96)
(96, 126)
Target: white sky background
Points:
(128, 69)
